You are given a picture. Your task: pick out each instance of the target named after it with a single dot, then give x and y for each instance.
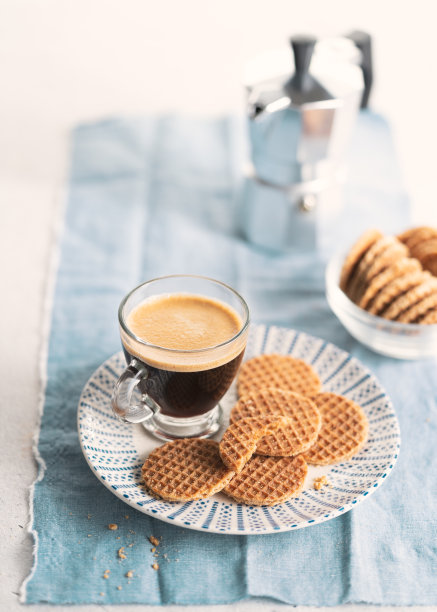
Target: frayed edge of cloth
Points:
(49, 293)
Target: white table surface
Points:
(63, 62)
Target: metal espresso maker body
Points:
(299, 129)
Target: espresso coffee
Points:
(189, 379)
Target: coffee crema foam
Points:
(184, 322)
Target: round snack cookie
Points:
(429, 318)
(241, 437)
(279, 371)
(411, 297)
(370, 262)
(403, 266)
(343, 433)
(416, 235)
(293, 436)
(390, 255)
(426, 253)
(185, 470)
(413, 314)
(355, 254)
(396, 288)
(266, 481)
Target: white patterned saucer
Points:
(116, 451)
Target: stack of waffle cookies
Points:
(394, 277)
(280, 423)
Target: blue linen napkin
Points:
(154, 196)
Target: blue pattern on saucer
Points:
(116, 451)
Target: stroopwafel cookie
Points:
(380, 254)
(429, 318)
(426, 253)
(296, 434)
(403, 266)
(239, 441)
(343, 433)
(185, 470)
(411, 297)
(418, 310)
(416, 235)
(395, 289)
(266, 481)
(389, 256)
(279, 371)
(356, 253)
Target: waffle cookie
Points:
(426, 253)
(415, 312)
(355, 254)
(411, 297)
(396, 288)
(384, 251)
(279, 371)
(415, 235)
(185, 470)
(389, 256)
(343, 433)
(241, 437)
(401, 267)
(429, 318)
(392, 277)
(295, 435)
(266, 481)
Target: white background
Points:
(63, 62)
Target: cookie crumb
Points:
(101, 594)
(153, 540)
(126, 516)
(119, 588)
(320, 482)
(89, 516)
(130, 545)
(113, 526)
(89, 536)
(153, 549)
(106, 574)
(155, 566)
(121, 554)
(129, 574)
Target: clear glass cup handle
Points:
(128, 404)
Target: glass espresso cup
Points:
(183, 337)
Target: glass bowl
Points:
(400, 340)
